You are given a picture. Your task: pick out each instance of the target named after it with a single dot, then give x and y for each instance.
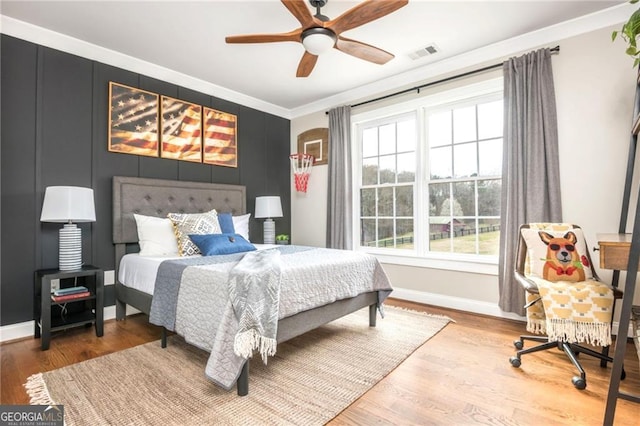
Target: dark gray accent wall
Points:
(54, 131)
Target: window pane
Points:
(370, 171)
(440, 129)
(489, 236)
(404, 234)
(464, 236)
(465, 160)
(440, 162)
(388, 169)
(490, 120)
(368, 232)
(438, 194)
(490, 157)
(385, 233)
(439, 234)
(464, 124)
(407, 167)
(370, 142)
(464, 199)
(387, 139)
(489, 193)
(385, 202)
(407, 136)
(404, 201)
(368, 202)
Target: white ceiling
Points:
(188, 38)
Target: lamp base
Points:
(269, 232)
(70, 248)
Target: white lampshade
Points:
(267, 207)
(318, 40)
(68, 204)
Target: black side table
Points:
(87, 310)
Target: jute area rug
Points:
(311, 379)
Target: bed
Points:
(158, 197)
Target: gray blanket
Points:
(254, 290)
(192, 297)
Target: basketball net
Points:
(301, 166)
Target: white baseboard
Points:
(468, 305)
(452, 302)
(25, 329)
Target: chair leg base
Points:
(572, 351)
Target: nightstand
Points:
(53, 316)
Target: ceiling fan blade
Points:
(363, 51)
(364, 12)
(299, 9)
(306, 65)
(294, 35)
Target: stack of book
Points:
(70, 293)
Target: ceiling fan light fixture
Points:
(318, 40)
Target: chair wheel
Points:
(623, 375)
(579, 382)
(518, 344)
(515, 361)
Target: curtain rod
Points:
(444, 80)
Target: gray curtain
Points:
(530, 169)
(339, 197)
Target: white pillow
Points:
(241, 225)
(156, 236)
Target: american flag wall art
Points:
(220, 143)
(181, 137)
(133, 121)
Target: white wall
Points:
(594, 82)
(309, 210)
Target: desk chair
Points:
(525, 275)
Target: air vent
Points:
(425, 51)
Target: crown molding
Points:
(494, 52)
(58, 41)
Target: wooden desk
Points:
(614, 250)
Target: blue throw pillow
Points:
(226, 223)
(212, 244)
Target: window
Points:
(464, 180)
(428, 179)
(388, 170)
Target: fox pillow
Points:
(557, 254)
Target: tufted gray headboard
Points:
(157, 197)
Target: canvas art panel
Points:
(220, 138)
(133, 121)
(181, 137)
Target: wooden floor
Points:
(461, 376)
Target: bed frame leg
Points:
(372, 315)
(163, 338)
(121, 310)
(243, 380)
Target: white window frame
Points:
(419, 256)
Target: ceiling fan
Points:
(318, 33)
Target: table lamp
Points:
(268, 207)
(68, 204)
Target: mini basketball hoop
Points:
(301, 166)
